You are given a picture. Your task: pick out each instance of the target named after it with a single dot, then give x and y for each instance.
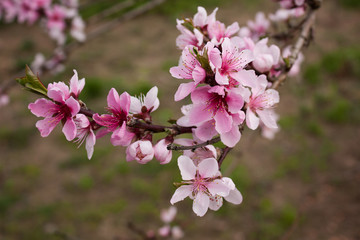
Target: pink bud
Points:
(162, 154)
(142, 151)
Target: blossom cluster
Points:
(59, 18)
(63, 105)
(230, 73)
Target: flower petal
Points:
(267, 117)
(252, 121)
(47, 125)
(181, 193)
(43, 108)
(208, 168)
(69, 129)
(184, 90)
(187, 168)
(121, 136)
(201, 204)
(218, 187)
(234, 197)
(90, 143)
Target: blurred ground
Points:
(302, 185)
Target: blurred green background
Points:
(304, 184)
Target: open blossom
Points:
(10, 9)
(27, 12)
(188, 37)
(265, 57)
(218, 32)
(56, 17)
(85, 133)
(202, 183)
(261, 101)
(291, 3)
(145, 104)
(64, 108)
(189, 68)
(115, 122)
(255, 29)
(229, 61)
(201, 19)
(215, 103)
(142, 151)
(162, 154)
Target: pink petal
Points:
(208, 168)
(181, 193)
(215, 57)
(43, 108)
(252, 121)
(201, 204)
(58, 91)
(69, 129)
(198, 74)
(206, 130)
(223, 121)
(221, 79)
(121, 136)
(151, 99)
(90, 143)
(47, 125)
(73, 105)
(245, 77)
(234, 197)
(215, 203)
(199, 114)
(76, 85)
(200, 94)
(178, 72)
(218, 187)
(135, 106)
(184, 90)
(187, 167)
(234, 101)
(232, 137)
(267, 117)
(232, 29)
(113, 99)
(125, 102)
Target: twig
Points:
(225, 151)
(193, 147)
(99, 31)
(305, 33)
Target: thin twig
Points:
(304, 35)
(193, 147)
(225, 151)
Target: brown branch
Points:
(193, 147)
(174, 130)
(225, 151)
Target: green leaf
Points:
(32, 83)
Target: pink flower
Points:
(84, 132)
(229, 61)
(201, 183)
(44, 4)
(162, 154)
(27, 12)
(257, 28)
(64, 107)
(215, 103)
(189, 68)
(142, 151)
(261, 101)
(145, 104)
(38, 63)
(188, 37)
(265, 57)
(119, 107)
(217, 31)
(201, 19)
(56, 17)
